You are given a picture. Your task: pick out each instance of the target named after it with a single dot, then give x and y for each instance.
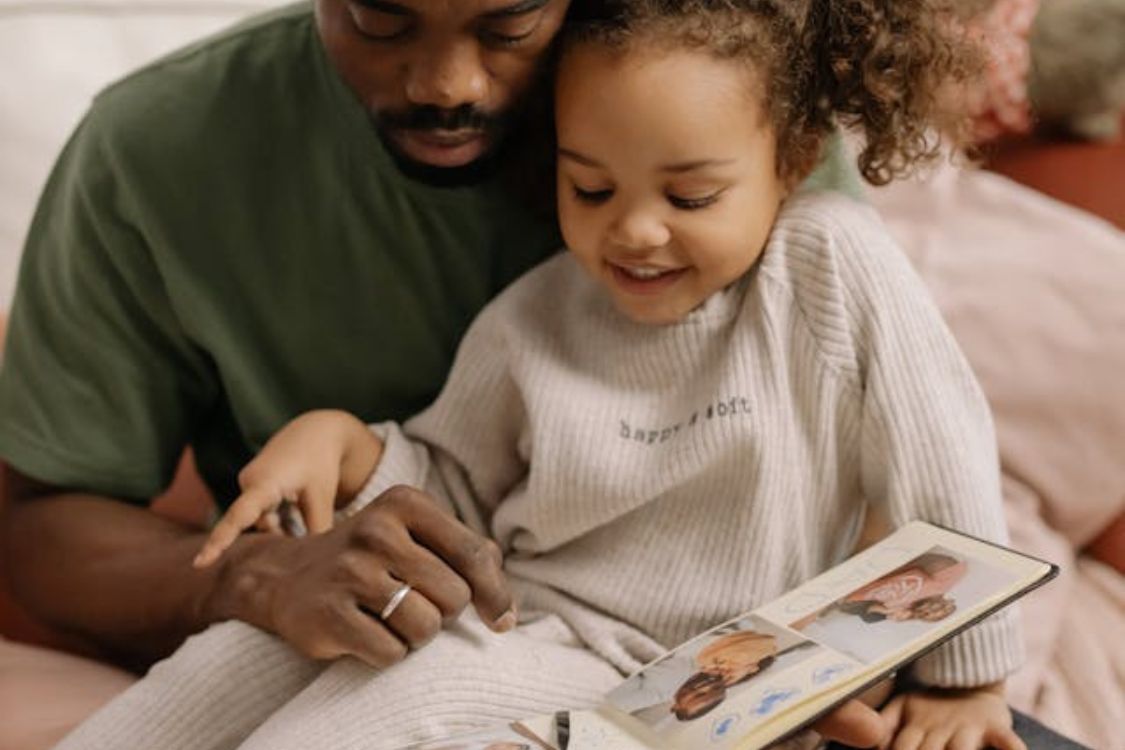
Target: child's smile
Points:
(638, 279)
(665, 199)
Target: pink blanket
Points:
(1035, 292)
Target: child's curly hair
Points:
(880, 66)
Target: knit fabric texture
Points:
(648, 482)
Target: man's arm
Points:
(122, 576)
(113, 573)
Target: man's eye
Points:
(509, 32)
(593, 197)
(696, 203)
(383, 27)
(502, 40)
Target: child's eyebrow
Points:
(689, 166)
(566, 153)
(518, 8)
(677, 168)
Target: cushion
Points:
(1032, 289)
(1088, 175)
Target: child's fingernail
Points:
(506, 621)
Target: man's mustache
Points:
(465, 117)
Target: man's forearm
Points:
(123, 577)
(115, 574)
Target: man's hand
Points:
(322, 593)
(121, 576)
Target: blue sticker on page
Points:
(773, 699)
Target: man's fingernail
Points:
(506, 621)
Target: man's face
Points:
(439, 77)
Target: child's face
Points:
(666, 179)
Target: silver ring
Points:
(396, 599)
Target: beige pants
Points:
(236, 687)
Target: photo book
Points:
(765, 675)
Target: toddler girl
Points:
(694, 409)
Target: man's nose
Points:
(448, 77)
(639, 229)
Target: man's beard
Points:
(429, 118)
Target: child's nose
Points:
(640, 230)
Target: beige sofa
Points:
(1032, 289)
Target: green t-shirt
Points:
(224, 244)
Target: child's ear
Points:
(794, 171)
(791, 181)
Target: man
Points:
(228, 239)
(303, 212)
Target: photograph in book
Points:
(532, 734)
(748, 658)
(904, 604)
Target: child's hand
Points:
(951, 720)
(314, 459)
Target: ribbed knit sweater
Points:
(646, 482)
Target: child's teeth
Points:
(644, 273)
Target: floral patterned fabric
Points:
(1000, 104)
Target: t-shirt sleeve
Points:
(928, 445)
(468, 449)
(99, 382)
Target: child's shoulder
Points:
(555, 275)
(824, 240)
(543, 294)
(830, 259)
(824, 222)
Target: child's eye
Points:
(693, 204)
(593, 197)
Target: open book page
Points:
(758, 678)
(753, 680)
